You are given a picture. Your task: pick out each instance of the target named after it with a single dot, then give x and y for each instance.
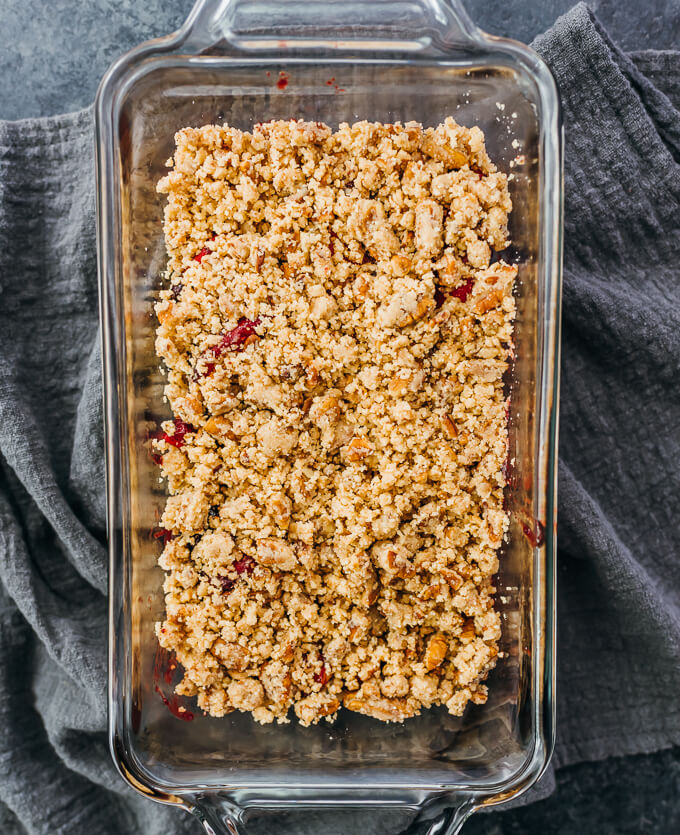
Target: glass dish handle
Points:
(220, 816)
(268, 25)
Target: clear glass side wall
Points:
(491, 741)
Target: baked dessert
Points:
(335, 333)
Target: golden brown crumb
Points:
(335, 338)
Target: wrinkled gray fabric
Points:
(618, 566)
(619, 489)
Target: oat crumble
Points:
(335, 337)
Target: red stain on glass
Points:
(163, 534)
(165, 667)
(174, 707)
(534, 532)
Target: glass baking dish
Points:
(386, 60)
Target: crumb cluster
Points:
(335, 336)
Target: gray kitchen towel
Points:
(618, 565)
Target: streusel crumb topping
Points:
(335, 336)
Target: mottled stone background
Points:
(52, 55)
(53, 52)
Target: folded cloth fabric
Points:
(618, 567)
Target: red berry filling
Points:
(232, 340)
(227, 584)
(244, 565)
(177, 437)
(205, 251)
(439, 297)
(235, 338)
(463, 290)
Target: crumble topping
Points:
(335, 336)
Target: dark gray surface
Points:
(628, 796)
(51, 56)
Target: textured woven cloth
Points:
(618, 565)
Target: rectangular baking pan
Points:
(388, 60)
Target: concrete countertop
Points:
(52, 55)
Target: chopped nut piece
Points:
(431, 591)
(164, 312)
(401, 264)
(275, 438)
(358, 448)
(221, 427)
(468, 630)
(387, 710)
(437, 649)
(315, 707)
(488, 302)
(281, 507)
(398, 385)
(429, 219)
(449, 156)
(453, 578)
(393, 559)
(246, 694)
(405, 308)
(233, 656)
(327, 406)
(276, 553)
(277, 681)
(449, 427)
